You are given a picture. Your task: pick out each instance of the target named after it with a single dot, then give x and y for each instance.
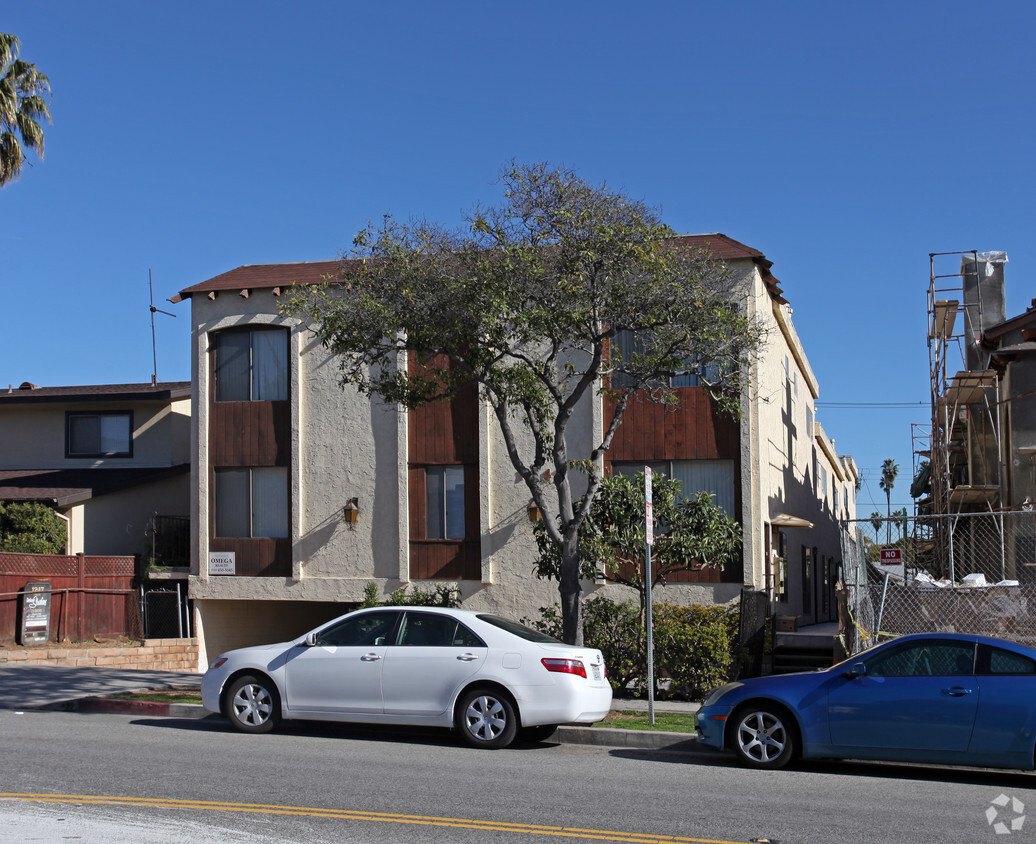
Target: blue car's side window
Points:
(925, 659)
(1007, 662)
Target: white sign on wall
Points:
(222, 562)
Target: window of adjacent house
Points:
(715, 477)
(252, 502)
(823, 483)
(99, 434)
(809, 421)
(252, 365)
(444, 502)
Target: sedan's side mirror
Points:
(858, 669)
(311, 639)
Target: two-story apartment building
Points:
(303, 493)
(108, 458)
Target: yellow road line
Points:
(356, 815)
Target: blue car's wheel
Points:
(763, 736)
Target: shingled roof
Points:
(28, 393)
(272, 276)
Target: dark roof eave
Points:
(170, 391)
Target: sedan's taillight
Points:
(564, 666)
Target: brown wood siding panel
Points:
(442, 560)
(694, 430)
(245, 433)
(257, 557)
(418, 527)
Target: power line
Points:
(872, 404)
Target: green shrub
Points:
(615, 629)
(695, 647)
(440, 596)
(29, 527)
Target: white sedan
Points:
(491, 679)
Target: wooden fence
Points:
(91, 597)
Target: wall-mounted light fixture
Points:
(533, 511)
(351, 511)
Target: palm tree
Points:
(877, 521)
(889, 470)
(24, 92)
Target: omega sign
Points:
(222, 562)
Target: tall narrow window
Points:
(444, 502)
(252, 503)
(252, 365)
(99, 434)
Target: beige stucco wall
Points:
(161, 435)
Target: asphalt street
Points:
(35, 687)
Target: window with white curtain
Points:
(252, 365)
(252, 502)
(715, 477)
(444, 502)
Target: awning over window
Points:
(784, 520)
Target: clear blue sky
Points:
(846, 141)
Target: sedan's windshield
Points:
(519, 630)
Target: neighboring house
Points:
(108, 458)
(281, 457)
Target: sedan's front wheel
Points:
(250, 704)
(486, 718)
(763, 736)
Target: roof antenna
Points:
(154, 310)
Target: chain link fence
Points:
(966, 573)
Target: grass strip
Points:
(665, 722)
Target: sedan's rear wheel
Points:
(486, 718)
(251, 705)
(763, 736)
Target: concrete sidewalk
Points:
(36, 687)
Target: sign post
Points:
(35, 627)
(649, 534)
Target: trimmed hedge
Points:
(695, 646)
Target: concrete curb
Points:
(686, 743)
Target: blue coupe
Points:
(943, 698)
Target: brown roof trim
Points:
(163, 391)
(264, 276)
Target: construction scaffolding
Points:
(958, 468)
(963, 441)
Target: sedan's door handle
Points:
(956, 691)
(370, 657)
(466, 657)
